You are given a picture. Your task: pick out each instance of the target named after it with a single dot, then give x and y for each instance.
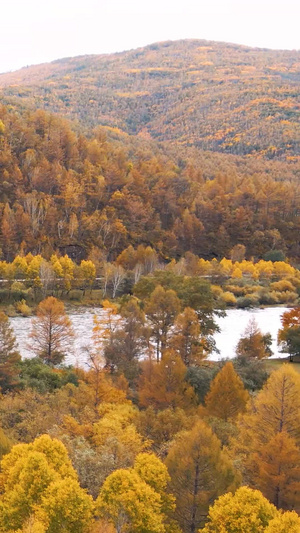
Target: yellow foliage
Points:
(246, 511)
(227, 396)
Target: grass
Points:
(275, 364)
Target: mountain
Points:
(62, 191)
(213, 96)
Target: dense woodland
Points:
(61, 191)
(170, 193)
(216, 96)
(164, 443)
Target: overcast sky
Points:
(36, 31)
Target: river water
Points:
(232, 327)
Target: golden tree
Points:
(254, 344)
(162, 384)
(269, 438)
(186, 337)
(200, 472)
(227, 396)
(52, 333)
(246, 511)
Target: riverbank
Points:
(232, 327)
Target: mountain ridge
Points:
(215, 96)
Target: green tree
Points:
(52, 332)
(9, 356)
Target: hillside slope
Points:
(60, 190)
(215, 96)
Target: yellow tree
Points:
(87, 272)
(52, 333)
(227, 396)
(65, 506)
(162, 384)
(272, 424)
(33, 477)
(115, 433)
(130, 503)
(161, 311)
(253, 344)
(246, 511)
(186, 337)
(151, 470)
(288, 522)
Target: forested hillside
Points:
(214, 96)
(63, 191)
(163, 185)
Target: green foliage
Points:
(200, 378)
(37, 375)
(274, 255)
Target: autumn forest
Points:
(161, 186)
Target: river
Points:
(232, 327)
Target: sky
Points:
(37, 31)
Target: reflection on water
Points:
(232, 327)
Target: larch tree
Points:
(161, 311)
(227, 396)
(162, 385)
(126, 343)
(254, 344)
(52, 333)
(186, 337)
(200, 472)
(278, 471)
(9, 356)
(272, 423)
